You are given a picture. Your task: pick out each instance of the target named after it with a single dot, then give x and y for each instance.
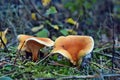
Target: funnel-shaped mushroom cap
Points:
(33, 44)
(73, 47)
(22, 38)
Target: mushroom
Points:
(33, 44)
(73, 47)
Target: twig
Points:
(103, 66)
(98, 65)
(104, 48)
(113, 53)
(113, 33)
(18, 51)
(76, 25)
(6, 49)
(108, 55)
(58, 64)
(111, 75)
(80, 77)
(83, 76)
(44, 58)
(101, 49)
(89, 76)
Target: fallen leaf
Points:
(71, 21)
(51, 10)
(45, 2)
(64, 32)
(53, 26)
(33, 16)
(42, 33)
(35, 29)
(71, 31)
(3, 37)
(56, 27)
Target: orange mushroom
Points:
(33, 44)
(73, 47)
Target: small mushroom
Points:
(33, 44)
(73, 47)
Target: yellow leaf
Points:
(71, 21)
(33, 16)
(3, 37)
(45, 2)
(56, 27)
(72, 32)
(35, 29)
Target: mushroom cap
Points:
(38, 43)
(22, 38)
(73, 47)
(27, 41)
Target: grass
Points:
(52, 67)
